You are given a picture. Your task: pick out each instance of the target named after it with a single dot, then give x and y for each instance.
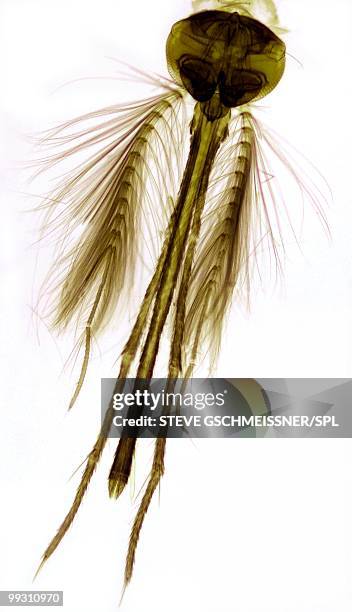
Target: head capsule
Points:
(232, 55)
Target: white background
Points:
(250, 525)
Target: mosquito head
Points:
(233, 55)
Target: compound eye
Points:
(240, 87)
(197, 77)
